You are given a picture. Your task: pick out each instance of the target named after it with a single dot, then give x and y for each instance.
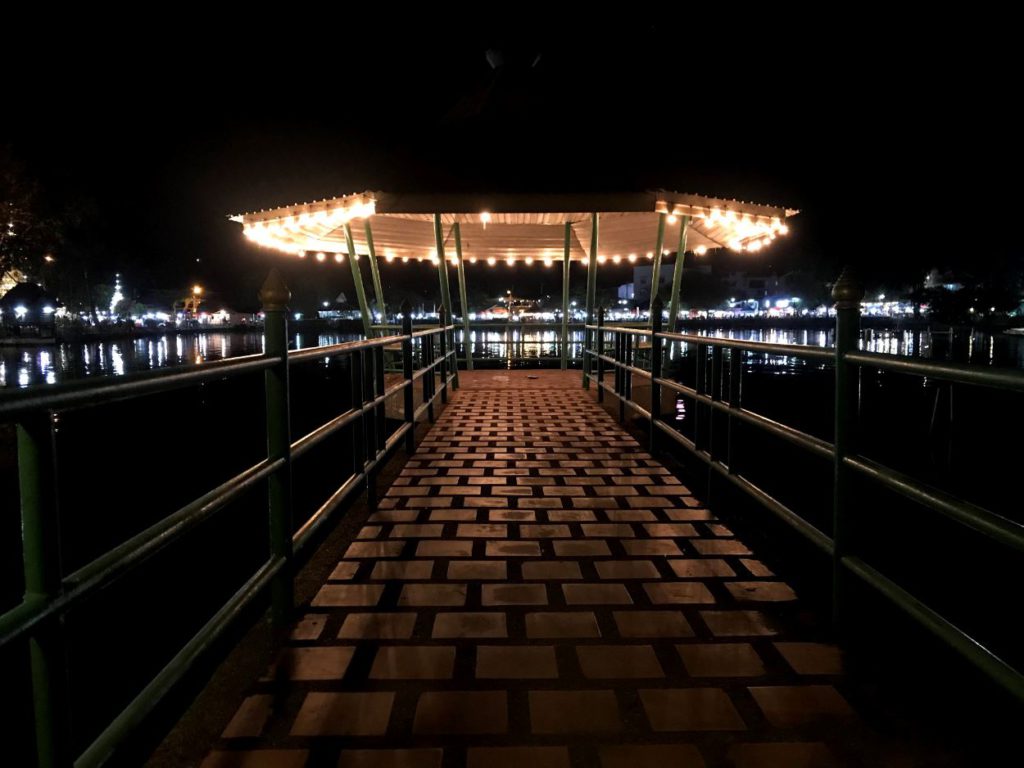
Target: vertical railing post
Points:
(656, 308)
(598, 351)
(408, 393)
(566, 264)
(700, 386)
(40, 530)
(467, 343)
(735, 403)
(619, 380)
(716, 395)
(360, 435)
(847, 294)
(591, 298)
(444, 356)
(427, 353)
(274, 296)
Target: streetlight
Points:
(197, 290)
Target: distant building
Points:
(28, 309)
(640, 289)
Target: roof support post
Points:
(467, 342)
(656, 267)
(677, 274)
(357, 278)
(591, 298)
(442, 275)
(378, 291)
(565, 295)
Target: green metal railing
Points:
(849, 466)
(50, 593)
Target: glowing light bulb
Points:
(632, 258)
(529, 260)
(301, 254)
(321, 256)
(601, 259)
(472, 259)
(650, 254)
(339, 257)
(783, 230)
(485, 218)
(672, 219)
(405, 259)
(700, 250)
(547, 261)
(491, 260)
(510, 261)
(616, 259)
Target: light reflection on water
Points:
(26, 366)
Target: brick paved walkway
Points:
(537, 590)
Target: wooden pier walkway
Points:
(537, 590)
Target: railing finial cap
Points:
(847, 290)
(274, 295)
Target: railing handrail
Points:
(50, 593)
(990, 524)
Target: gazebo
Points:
(452, 230)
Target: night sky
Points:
(895, 139)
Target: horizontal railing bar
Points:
(132, 716)
(773, 505)
(813, 444)
(308, 529)
(970, 649)
(108, 389)
(432, 329)
(129, 554)
(620, 329)
(986, 522)
(344, 347)
(793, 350)
(307, 441)
(955, 372)
(302, 536)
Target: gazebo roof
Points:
(513, 228)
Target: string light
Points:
(485, 218)
(701, 250)
(672, 219)
(339, 257)
(321, 256)
(601, 259)
(491, 261)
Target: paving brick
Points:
(488, 624)
(512, 661)
(574, 712)
(652, 756)
(618, 661)
(390, 758)
(517, 757)
(432, 594)
(662, 623)
(721, 660)
(413, 662)
(377, 626)
(461, 712)
(344, 714)
(791, 706)
(690, 709)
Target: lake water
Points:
(26, 366)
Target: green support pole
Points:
(677, 274)
(442, 275)
(565, 296)
(591, 298)
(656, 266)
(466, 341)
(378, 291)
(274, 296)
(40, 530)
(847, 294)
(357, 278)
